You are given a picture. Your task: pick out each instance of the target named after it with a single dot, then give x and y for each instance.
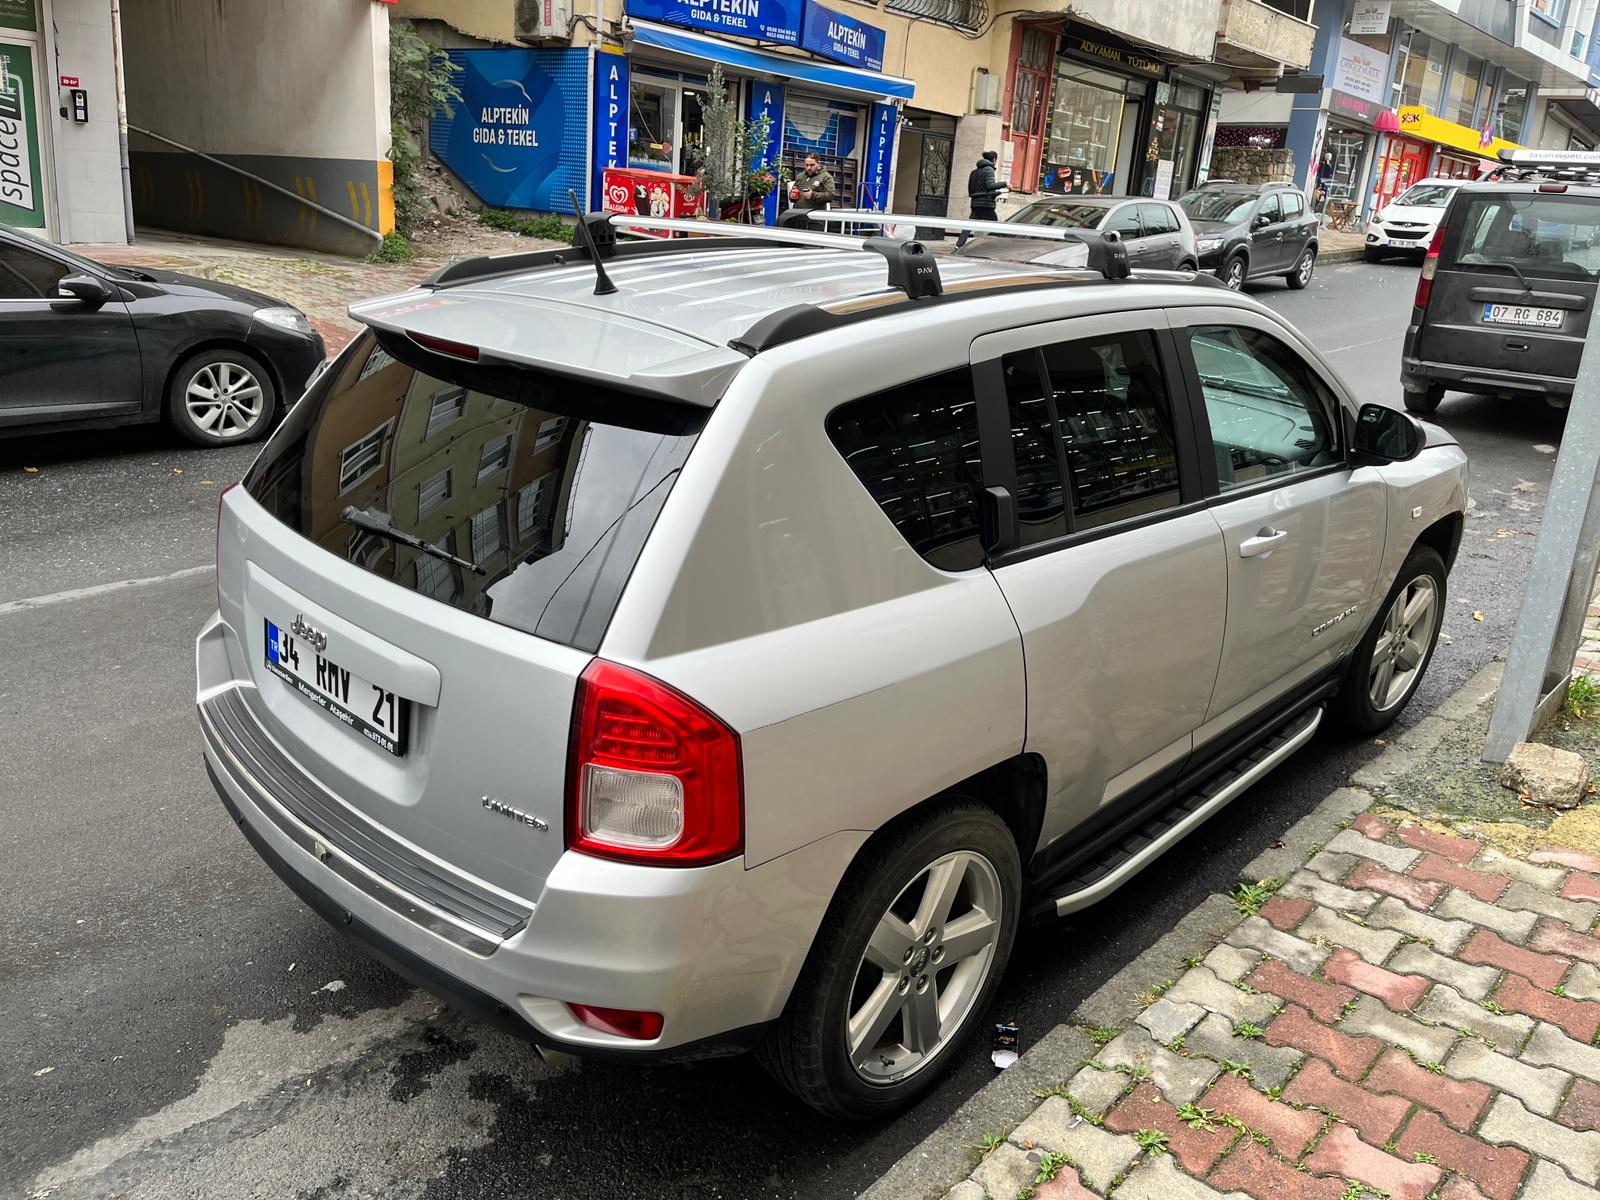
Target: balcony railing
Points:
(1257, 36)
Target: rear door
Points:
(432, 690)
(1303, 531)
(60, 357)
(1119, 584)
(1514, 287)
(1298, 226)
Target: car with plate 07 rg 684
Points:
(593, 666)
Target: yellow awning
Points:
(1418, 122)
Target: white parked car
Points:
(1406, 225)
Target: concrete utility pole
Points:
(1561, 576)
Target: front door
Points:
(1267, 252)
(1124, 222)
(1032, 56)
(59, 357)
(1303, 531)
(1119, 584)
(933, 180)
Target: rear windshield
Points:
(534, 508)
(1067, 216)
(1217, 205)
(1543, 236)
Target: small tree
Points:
(421, 85)
(734, 170)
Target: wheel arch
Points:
(1444, 535)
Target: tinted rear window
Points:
(1541, 235)
(550, 495)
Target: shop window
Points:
(1086, 125)
(652, 125)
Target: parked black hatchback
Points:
(84, 344)
(1247, 231)
(1503, 303)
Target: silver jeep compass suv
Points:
(734, 658)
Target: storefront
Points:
(1427, 145)
(1119, 120)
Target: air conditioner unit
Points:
(986, 92)
(542, 20)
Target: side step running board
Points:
(1139, 849)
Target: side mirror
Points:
(1260, 221)
(1386, 435)
(83, 288)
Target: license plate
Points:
(1522, 314)
(376, 713)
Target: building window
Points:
(488, 534)
(365, 549)
(971, 15)
(432, 492)
(1466, 79)
(549, 432)
(447, 407)
(360, 459)
(494, 456)
(1512, 108)
(1419, 74)
(437, 578)
(528, 500)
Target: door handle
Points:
(1264, 542)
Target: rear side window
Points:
(1158, 218)
(915, 449)
(548, 496)
(1294, 205)
(1544, 236)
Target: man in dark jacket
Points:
(982, 189)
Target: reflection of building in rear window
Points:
(493, 457)
(448, 404)
(360, 459)
(528, 500)
(432, 492)
(549, 431)
(915, 449)
(366, 549)
(376, 361)
(437, 578)
(488, 534)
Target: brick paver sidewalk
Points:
(1411, 1015)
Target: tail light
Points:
(654, 777)
(1430, 268)
(624, 1022)
(216, 558)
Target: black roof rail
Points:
(486, 266)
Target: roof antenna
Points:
(602, 282)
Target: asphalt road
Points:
(175, 1024)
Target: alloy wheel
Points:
(1402, 646)
(224, 399)
(1235, 278)
(1307, 262)
(923, 968)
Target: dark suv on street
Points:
(1503, 303)
(1248, 230)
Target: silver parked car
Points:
(734, 659)
(1157, 233)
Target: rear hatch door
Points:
(420, 566)
(1514, 289)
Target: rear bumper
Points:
(715, 950)
(1419, 374)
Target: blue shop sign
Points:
(518, 136)
(841, 38)
(766, 20)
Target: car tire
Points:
(1392, 657)
(221, 397)
(1368, 254)
(1234, 272)
(1188, 264)
(1424, 402)
(845, 981)
(1300, 274)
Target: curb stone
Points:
(945, 1158)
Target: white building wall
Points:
(88, 159)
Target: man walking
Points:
(983, 187)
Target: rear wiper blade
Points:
(1514, 269)
(376, 522)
